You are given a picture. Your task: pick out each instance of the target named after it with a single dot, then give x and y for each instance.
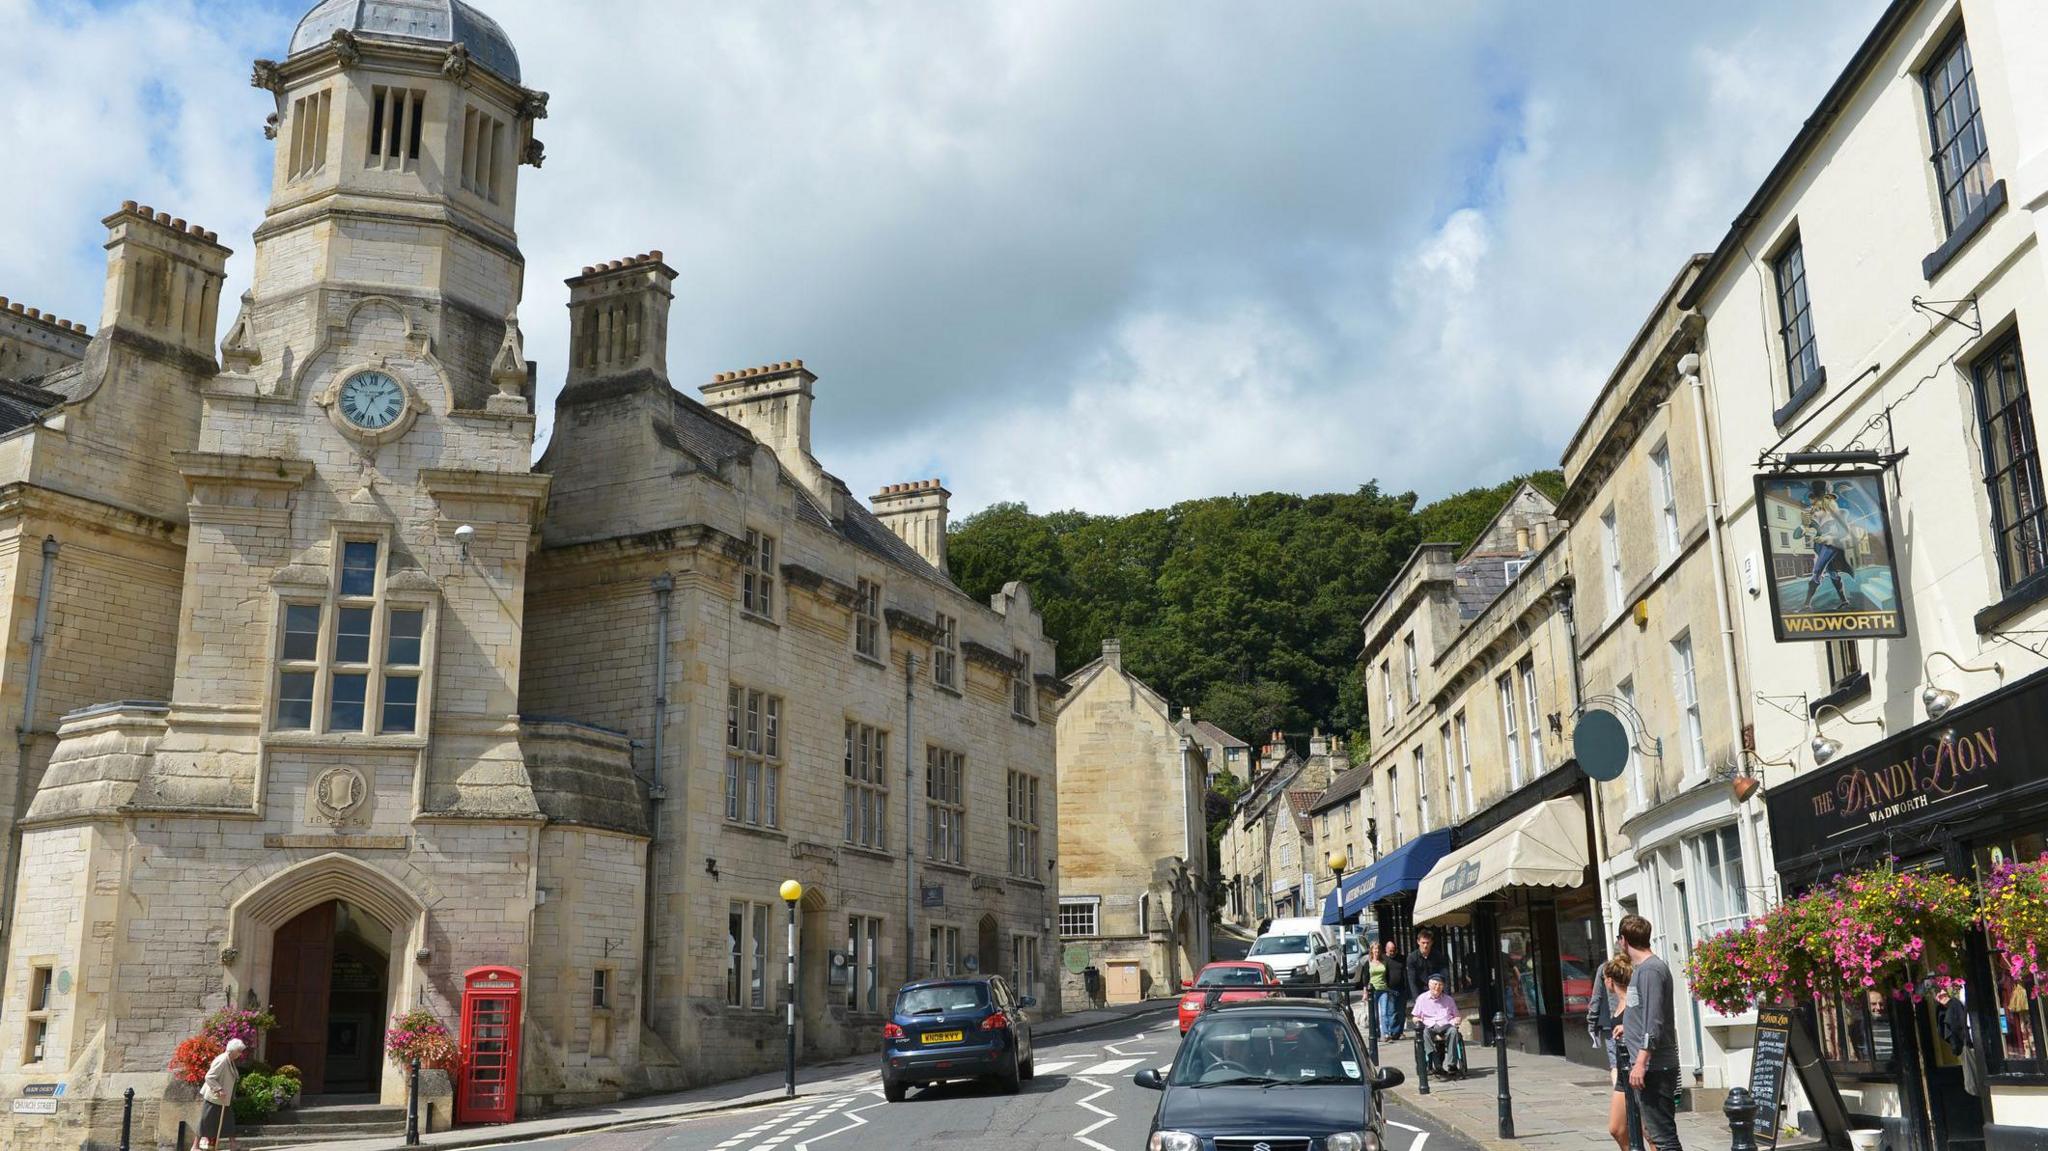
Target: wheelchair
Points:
(1454, 1065)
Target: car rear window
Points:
(1230, 977)
(1223, 1048)
(1280, 945)
(943, 998)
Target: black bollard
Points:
(1421, 1060)
(1741, 1112)
(1505, 1100)
(412, 1107)
(127, 1115)
(181, 1135)
(1372, 1028)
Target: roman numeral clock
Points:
(370, 402)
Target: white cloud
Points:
(1077, 254)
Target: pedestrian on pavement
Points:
(1395, 996)
(217, 1097)
(1424, 962)
(1437, 1015)
(1650, 1027)
(1624, 1118)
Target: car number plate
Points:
(944, 1036)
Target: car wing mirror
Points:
(1027, 1001)
(1149, 1079)
(1386, 1077)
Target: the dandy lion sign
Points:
(1828, 556)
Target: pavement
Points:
(1557, 1105)
(837, 1079)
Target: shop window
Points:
(2022, 1021)
(1855, 1031)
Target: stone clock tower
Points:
(338, 810)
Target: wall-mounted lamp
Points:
(463, 535)
(1825, 749)
(711, 867)
(1937, 700)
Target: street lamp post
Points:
(792, 892)
(1338, 862)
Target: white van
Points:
(1299, 950)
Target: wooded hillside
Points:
(1246, 607)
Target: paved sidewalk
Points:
(1558, 1105)
(834, 1078)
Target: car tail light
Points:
(996, 1022)
(891, 1031)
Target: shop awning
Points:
(1397, 871)
(1543, 847)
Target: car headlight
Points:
(1352, 1141)
(1173, 1141)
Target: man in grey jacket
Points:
(1649, 1025)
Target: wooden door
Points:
(301, 973)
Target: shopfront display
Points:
(1958, 797)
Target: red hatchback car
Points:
(1235, 981)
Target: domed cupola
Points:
(449, 22)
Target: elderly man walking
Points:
(217, 1096)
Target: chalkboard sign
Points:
(1767, 1071)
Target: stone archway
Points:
(281, 920)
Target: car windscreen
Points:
(1223, 1049)
(1231, 977)
(1280, 945)
(941, 999)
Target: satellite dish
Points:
(1601, 743)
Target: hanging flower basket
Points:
(2013, 907)
(416, 1034)
(1884, 927)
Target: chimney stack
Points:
(773, 402)
(618, 319)
(1113, 652)
(164, 278)
(916, 512)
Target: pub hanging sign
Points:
(1828, 556)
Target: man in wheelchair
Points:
(1436, 1014)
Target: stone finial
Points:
(508, 366)
(239, 353)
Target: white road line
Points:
(1112, 1067)
(1113, 1049)
(1421, 1136)
(853, 1114)
(1107, 1116)
(1055, 1066)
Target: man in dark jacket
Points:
(1424, 962)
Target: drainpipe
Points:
(664, 589)
(24, 736)
(1689, 371)
(909, 855)
(1689, 374)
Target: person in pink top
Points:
(1436, 1013)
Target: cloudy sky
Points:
(1104, 254)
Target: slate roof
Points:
(21, 403)
(1480, 581)
(713, 439)
(1218, 734)
(1348, 783)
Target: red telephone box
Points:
(489, 1090)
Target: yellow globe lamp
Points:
(792, 891)
(1338, 861)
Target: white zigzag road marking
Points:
(853, 1114)
(1108, 1117)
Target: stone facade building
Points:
(1227, 754)
(1134, 878)
(314, 672)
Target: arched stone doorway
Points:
(330, 989)
(989, 946)
(267, 936)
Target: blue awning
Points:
(1398, 871)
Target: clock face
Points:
(371, 400)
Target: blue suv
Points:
(970, 1027)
